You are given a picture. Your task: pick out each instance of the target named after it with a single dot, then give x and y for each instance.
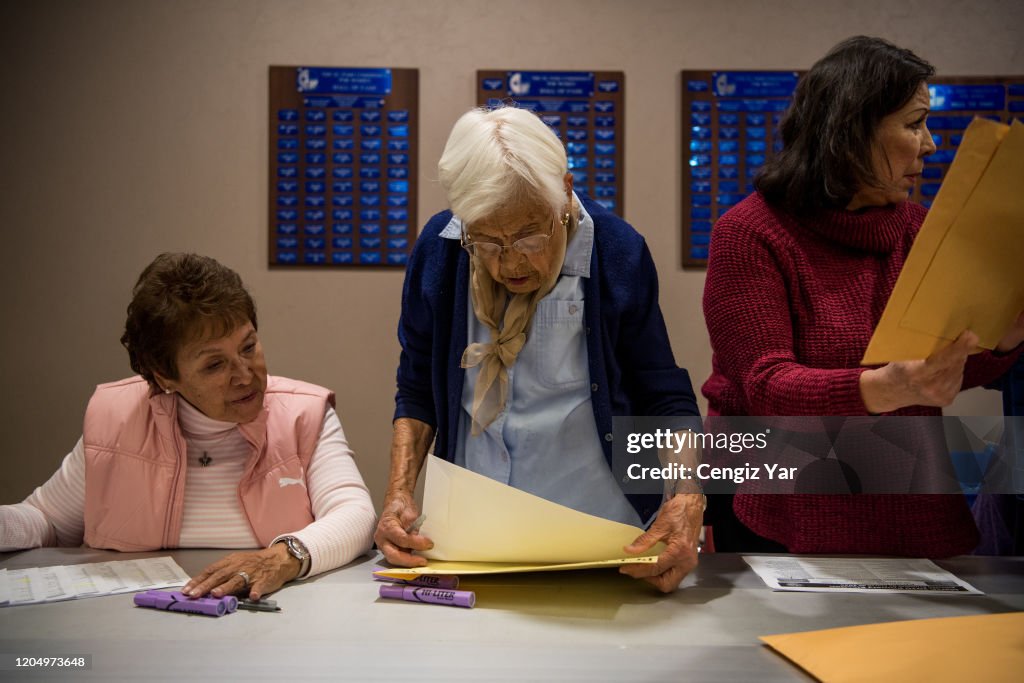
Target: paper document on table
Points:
(474, 519)
(963, 271)
(852, 575)
(69, 582)
(987, 647)
(148, 574)
(36, 584)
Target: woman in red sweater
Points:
(798, 276)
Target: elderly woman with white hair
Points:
(529, 319)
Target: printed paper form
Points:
(851, 575)
(51, 584)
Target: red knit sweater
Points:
(790, 307)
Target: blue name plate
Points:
(361, 81)
(754, 83)
(967, 97)
(551, 83)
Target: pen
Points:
(417, 523)
(259, 605)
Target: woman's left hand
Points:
(267, 569)
(678, 524)
(1013, 337)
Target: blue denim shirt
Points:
(545, 440)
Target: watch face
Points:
(296, 548)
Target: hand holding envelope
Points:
(934, 381)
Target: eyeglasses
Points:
(531, 244)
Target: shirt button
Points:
(608, 436)
(572, 309)
(593, 387)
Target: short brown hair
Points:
(177, 298)
(829, 127)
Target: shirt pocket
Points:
(560, 345)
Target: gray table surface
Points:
(562, 626)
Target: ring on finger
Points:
(245, 577)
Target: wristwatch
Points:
(297, 549)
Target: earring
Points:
(565, 220)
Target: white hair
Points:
(494, 157)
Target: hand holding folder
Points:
(480, 526)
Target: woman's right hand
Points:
(400, 511)
(934, 381)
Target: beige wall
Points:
(131, 128)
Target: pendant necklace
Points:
(205, 460)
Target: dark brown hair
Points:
(828, 129)
(178, 298)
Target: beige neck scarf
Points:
(507, 316)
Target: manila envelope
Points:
(987, 647)
(966, 268)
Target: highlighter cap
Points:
(392, 592)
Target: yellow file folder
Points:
(481, 526)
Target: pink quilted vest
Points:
(135, 463)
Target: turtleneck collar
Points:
(876, 229)
(194, 423)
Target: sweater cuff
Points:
(408, 409)
(844, 393)
(338, 542)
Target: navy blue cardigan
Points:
(632, 369)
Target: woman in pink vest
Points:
(203, 449)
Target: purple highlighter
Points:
(435, 596)
(429, 580)
(179, 602)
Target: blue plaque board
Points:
(585, 109)
(729, 128)
(343, 159)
